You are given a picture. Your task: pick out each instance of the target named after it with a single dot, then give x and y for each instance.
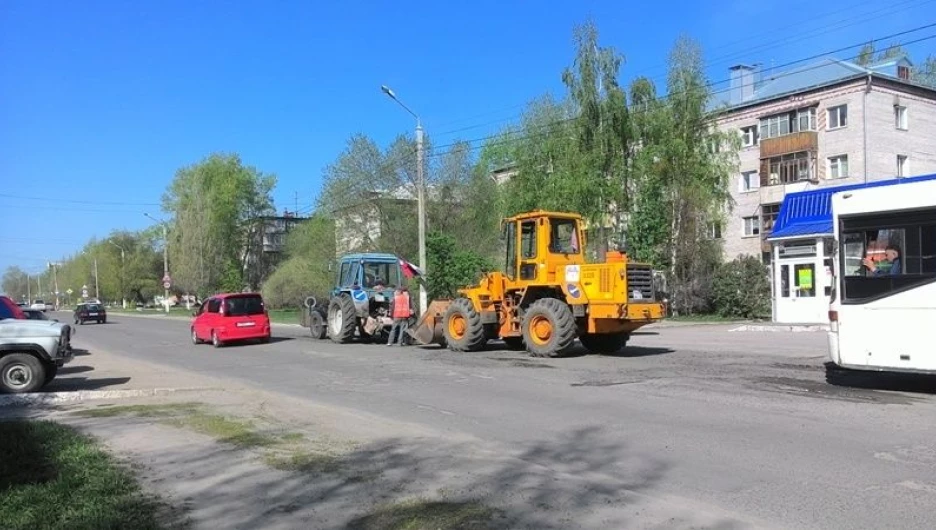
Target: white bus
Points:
(883, 309)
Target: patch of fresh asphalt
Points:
(741, 423)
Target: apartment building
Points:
(823, 125)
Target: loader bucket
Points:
(428, 329)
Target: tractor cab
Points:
(370, 272)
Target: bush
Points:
(294, 280)
(741, 289)
(451, 269)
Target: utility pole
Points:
(97, 285)
(123, 267)
(39, 279)
(166, 267)
(55, 283)
(421, 207)
(420, 196)
(28, 290)
(165, 260)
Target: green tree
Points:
(604, 131)
(215, 205)
(307, 269)
(14, 283)
(685, 165)
(451, 266)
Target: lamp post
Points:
(123, 266)
(165, 260)
(420, 195)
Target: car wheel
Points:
(195, 339)
(215, 340)
(20, 373)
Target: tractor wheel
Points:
(317, 326)
(342, 318)
(462, 326)
(604, 343)
(514, 343)
(548, 328)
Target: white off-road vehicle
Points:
(31, 352)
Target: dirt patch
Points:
(422, 514)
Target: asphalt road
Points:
(745, 427)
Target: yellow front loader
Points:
(547, 295)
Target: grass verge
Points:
(421, 514)
(288, 451)
(54, 477)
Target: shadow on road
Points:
(583, 478)
(71, 384)
(80, 352)
(639, 351)
(69, 369)
(867, 380)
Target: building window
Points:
(838, 117)
(900, 117)
(838, 166)
(788, 123)
(903, 168)
(749, 136)
(751, 226)
(789, 168)
(903, 72)
(769, 213)
(715, 230)
(750, 181)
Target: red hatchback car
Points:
(231, 317)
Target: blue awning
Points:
(809, 213)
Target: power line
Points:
(76, 201)
(708, 85)
(822, 30)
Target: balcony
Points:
(790, 143)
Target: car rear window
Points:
(93, 307)
(243, 305)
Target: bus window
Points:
(886, 254)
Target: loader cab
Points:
(539, 242)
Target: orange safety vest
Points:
(401, 305)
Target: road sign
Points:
(84, 293)
(167, 285)
(166, 279)
(69, 291)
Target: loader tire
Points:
(317, 326)
(605, 343)
(462, 327)
(342, 318)
(548, 328)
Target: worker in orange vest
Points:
(401, 313)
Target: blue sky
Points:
(101, 101)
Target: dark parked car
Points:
(86, 312)
(34, 314)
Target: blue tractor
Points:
(359, 305)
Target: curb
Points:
(51, 398)
(794, 328)
(185, 319)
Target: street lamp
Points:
(165, 260)
(123, 294)
(420, 195)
